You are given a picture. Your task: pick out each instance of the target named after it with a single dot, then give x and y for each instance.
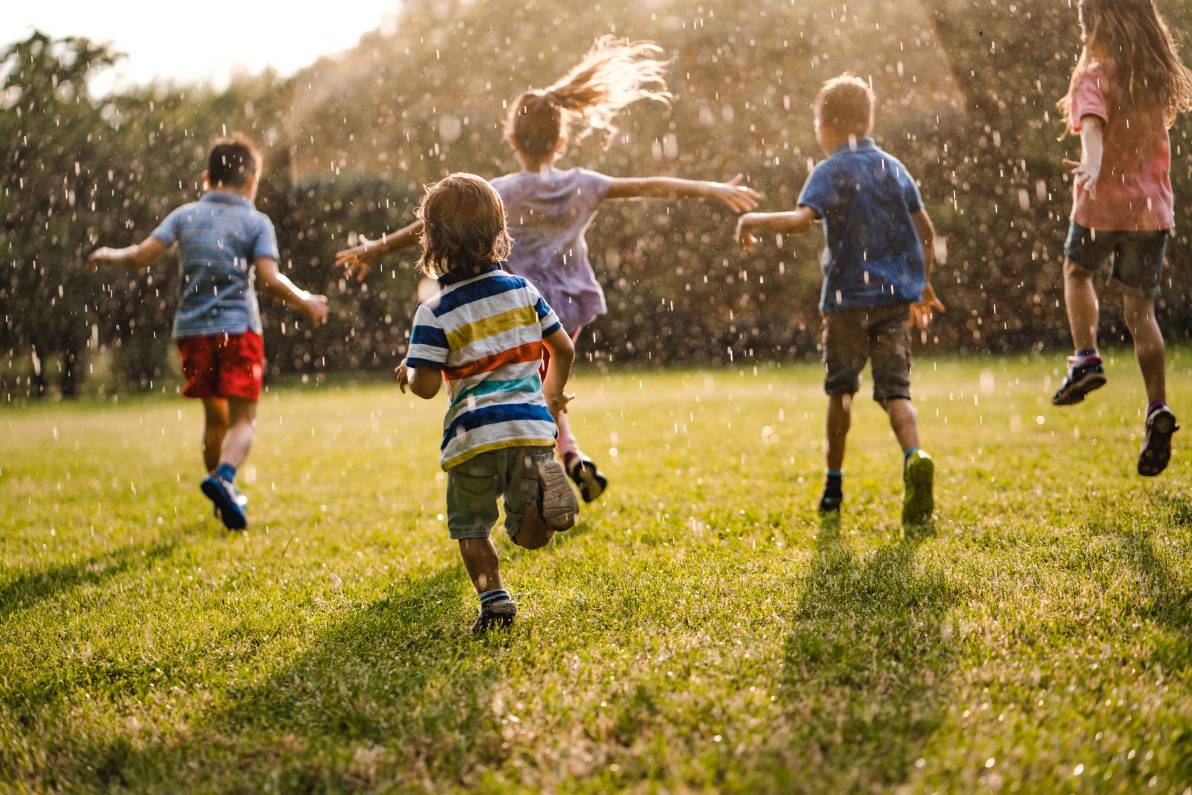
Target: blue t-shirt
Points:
(219, 238)
(872, 253)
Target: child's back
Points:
(548, 214)
(219, 237)
(485, 333)
(872, 255)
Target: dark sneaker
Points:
(240, 498)
(830, 502)
(1156, 448)
(918, 500)
(557, 502)
(495, 614)
(1084, 376)
(227, 502)
(588, 477)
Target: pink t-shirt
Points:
(1134, 191)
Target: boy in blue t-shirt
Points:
(877, 259)
(225, 244)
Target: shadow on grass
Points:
(865, 664)
(396, 691)
(30, 588)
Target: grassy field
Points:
(699, 630)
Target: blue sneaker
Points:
(1084, 376)
(229, 503)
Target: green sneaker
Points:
(918, 503)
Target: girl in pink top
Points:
(1126, 91)
(549, 209)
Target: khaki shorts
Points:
(474, 486)
(855, 336)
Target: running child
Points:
(225, 245)
(879, 245)
(483, 334)
(550, 209)
(1126, 91)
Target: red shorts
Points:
(223, 366)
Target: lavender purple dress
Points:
(548, 214)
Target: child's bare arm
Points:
(795, 222)
(422, 381)
(562, 356)
(135, 257)
(358, 260)
(279, 285)
(1092, 144)
(924, 310)
(732, 194)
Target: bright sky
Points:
(202, 40)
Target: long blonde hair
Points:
(613, 75)
(1134, 37)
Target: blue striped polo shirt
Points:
(484, 333)
(219, 238)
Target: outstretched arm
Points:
(795, 222)
(732, 194)
(136, 257)
(358, 260)
(924, 310)
(279, 285)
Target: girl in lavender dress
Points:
(549, 209)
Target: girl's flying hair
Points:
(1134, 37)
(614, 74)
(463, 227)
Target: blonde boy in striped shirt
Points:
(483, 334)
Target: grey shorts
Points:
(1132, 259)
(854, 336)
(474, 486)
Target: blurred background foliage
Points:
(967, 92)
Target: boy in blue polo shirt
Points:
(225, 246)
(877, 262)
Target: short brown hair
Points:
(845, 105)
(463, 226)
(232, 161)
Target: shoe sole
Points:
(559, 506)
(232, 517)
(1077, 392)
(591, 483)
(920, 497)
(1156, 452)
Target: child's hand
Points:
(101, 256)
(735, 196)
(745, 234)
(923, 312)
(315, 308)
(402, 373)
(1085, 175)
(358, 260)
(557, 402)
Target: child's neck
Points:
(536, 166)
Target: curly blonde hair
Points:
(463, 226)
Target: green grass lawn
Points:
(698, 631)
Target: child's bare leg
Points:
(480, 559)
(904, 423)
(242, 425)
(533, 533)
(1148, 346)
(215, 427)
(840, 409)
(1080, 296)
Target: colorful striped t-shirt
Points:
(485, 334)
